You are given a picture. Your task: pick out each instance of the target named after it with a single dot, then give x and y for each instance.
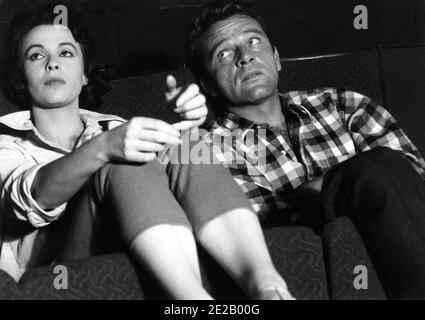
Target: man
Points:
(325, 153)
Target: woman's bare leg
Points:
(235, 239)
(169, 252)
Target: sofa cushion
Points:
(103, 277)
(296, 253)
(343, 251)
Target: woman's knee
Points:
(129, 176)
(118, 172)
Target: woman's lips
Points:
(54, 82)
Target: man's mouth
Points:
(54, 82)
(251, 76)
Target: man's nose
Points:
(52, 65)
(245, 57)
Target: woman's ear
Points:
(85, 80)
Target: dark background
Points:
(138, 36)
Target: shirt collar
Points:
(290, 102)
(294, 102)
(21, 121)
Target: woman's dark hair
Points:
(13, 81)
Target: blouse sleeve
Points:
(17, 172)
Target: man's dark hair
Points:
(13, 81)
(211, 13)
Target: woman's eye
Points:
(224, 54)
(36, 56)
(254, 41)
(66, 54)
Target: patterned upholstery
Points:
(9, 289)
(296, 252)
(343, 250)
(103, 277)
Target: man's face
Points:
(240, 62)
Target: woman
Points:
(63, 168)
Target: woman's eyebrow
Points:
(68, 44)
(33, 46)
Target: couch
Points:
(315, 267)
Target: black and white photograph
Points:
(231, 150)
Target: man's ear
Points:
(277, 59)
(205, 86)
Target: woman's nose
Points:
(52, 65)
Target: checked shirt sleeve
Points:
(371, 126)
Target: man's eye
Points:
(254, 41)
(224, 54)
(66, 53)
(36, 56)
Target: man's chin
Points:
(258, 95)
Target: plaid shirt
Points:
(325, 127)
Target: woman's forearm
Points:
(58, 181)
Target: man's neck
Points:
(269, 112)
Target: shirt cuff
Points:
(24, 205)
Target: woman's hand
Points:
(189, 103)
(138, 140)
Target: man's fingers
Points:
(172, 90)
(171, 83)
(187, 124)
(191, 91)
(197, 101)
(195, 114)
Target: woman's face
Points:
(52, 63)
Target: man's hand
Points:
(189, 103)
(137, 140)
